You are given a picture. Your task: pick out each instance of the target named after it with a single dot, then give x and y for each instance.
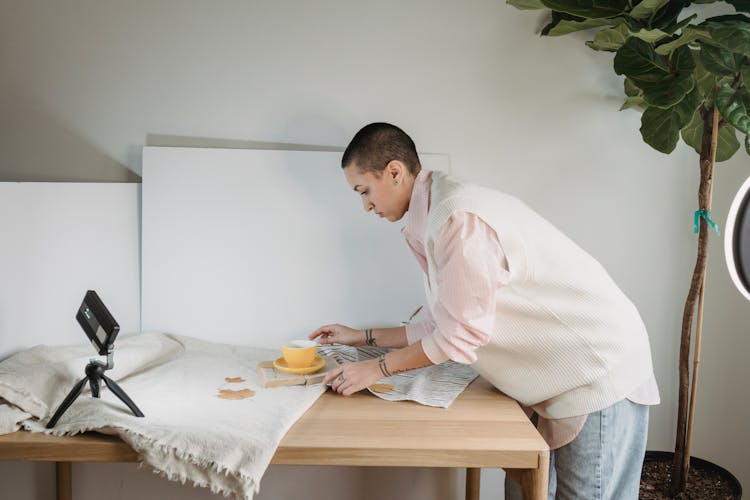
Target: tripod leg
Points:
(117, 391)
(72, 395)
(94, 383)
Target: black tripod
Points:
(94, 374)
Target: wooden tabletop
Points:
(482, 428)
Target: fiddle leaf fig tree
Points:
(690, 78)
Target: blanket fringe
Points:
(165, 450)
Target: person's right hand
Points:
(338, 334)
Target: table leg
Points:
(473, 479)
(64, 481)
(534, 482)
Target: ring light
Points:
(737, 240)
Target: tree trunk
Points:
(707, 157)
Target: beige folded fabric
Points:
(10, 418)
(189, 433)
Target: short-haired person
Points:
(511, 295)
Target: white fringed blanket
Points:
(189, 434)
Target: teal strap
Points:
(706, 215)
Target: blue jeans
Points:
(603, 462)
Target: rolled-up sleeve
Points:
(470, 268)
(425, 331)
(417, 331)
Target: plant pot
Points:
(705, 479)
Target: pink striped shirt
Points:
(467, 255)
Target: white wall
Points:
(261, 247)
(60, 240)
(85, 84)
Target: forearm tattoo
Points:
(388, 373)
(400, 370)
(370, 338)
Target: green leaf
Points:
(660, 128)
(632, 102)
(666, 18)
(637, 60)
(657, 130)
(674, 27)
(593, 9)
(747, 143)
(610, 39)
(740, 5)
(692, 133)
(734, 106)
(726, 144)
(731, 32)
(745, 71)
(689, 35)
(647, 8)
(635, 96)
(631, 90)
(704, 80)
(565, 26)
(668, 93)
(562, 24)
(526, 4)
(664, 81)
(720, 61)
(651, 36)
(685, 109)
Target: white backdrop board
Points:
(256, 247)
(59, 240)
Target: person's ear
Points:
(395, 171)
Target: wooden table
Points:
(482, 428)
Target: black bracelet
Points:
(383, 367)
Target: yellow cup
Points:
(299, 353)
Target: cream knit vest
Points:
(566, 340)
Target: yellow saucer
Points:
(317, 364)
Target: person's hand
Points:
(353, 377)
(337, 334)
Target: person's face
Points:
(385, 194)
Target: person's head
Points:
(381, 163)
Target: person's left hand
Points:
(353, 377)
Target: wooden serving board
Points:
(271, 377)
